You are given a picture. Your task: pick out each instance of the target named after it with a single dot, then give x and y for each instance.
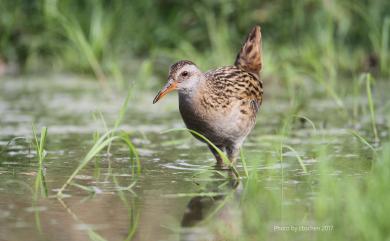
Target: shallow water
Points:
(162, 202)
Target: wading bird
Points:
(221, 104)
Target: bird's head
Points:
(183, 76)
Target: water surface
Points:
(178, 186)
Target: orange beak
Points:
(170, 86)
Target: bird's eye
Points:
(184, 73)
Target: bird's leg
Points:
(217, 156)
(232, 153)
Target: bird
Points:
(221, 104)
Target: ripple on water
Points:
(273, 166)
(181, 164)
(35, 209)
(4, 213)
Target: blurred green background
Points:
(109, 39)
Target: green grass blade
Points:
(363, 140)
(371, 106)
(99, 145)
(243, 160)
(220, 153)
(298, 157)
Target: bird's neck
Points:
(192, 92)
(189, 97)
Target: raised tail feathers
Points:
(250, 56)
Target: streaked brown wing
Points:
(231, 83)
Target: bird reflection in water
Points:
(215, 213)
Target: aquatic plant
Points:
(103, 142)
(225, 160)
(371, 106)
(40, 184)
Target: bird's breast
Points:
(215, 124)
(193, 116)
